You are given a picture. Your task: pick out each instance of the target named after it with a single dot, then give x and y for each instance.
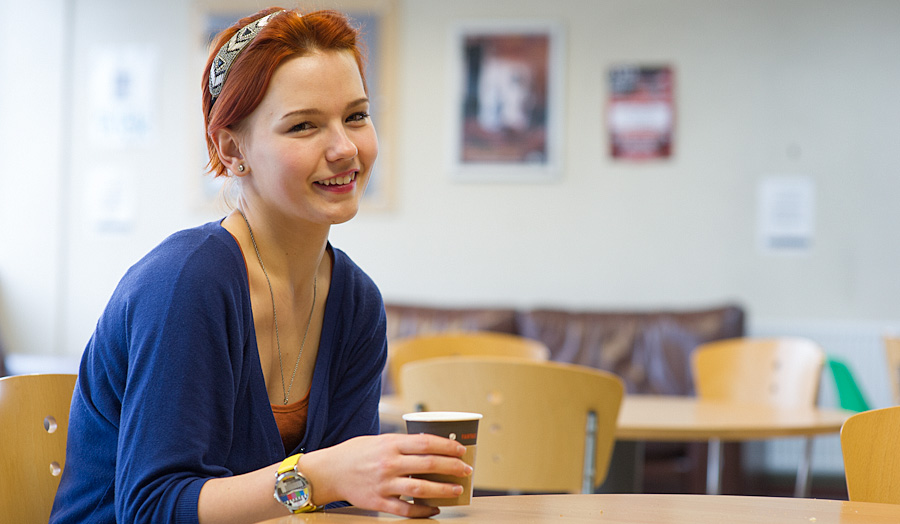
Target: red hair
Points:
(286, 35)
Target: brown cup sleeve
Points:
(463, 431)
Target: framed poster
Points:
(641, 113)
(506, 114)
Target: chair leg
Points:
(640, 456)
(714, 467)
(802, 488)
(590, 458)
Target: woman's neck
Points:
(291, 252)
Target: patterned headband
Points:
(229, 52)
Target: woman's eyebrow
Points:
(312, 111)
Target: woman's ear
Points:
(228, 146)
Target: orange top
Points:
(291, 420)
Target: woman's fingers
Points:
(426, 489)
(418, 488)
(436, 464)
(422, 444)
(406, 509)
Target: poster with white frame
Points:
(506, 111)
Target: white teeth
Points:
(341, 180)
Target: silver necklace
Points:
(285, 391)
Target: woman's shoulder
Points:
(348, 274)
(210, 239)
(207, 239)
(201, 253)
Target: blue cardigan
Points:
(171, 393)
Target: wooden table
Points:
(631, 509)
(670, 418)
(682, 419)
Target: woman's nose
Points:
(340, 147)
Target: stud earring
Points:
(241, 168)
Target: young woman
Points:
(235, 373)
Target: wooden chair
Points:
(892, 352)
(34, 419)
(869, 442)
(548, 427)
(776, 371)
(472, 343)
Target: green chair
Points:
(849, 395)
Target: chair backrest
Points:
(892, 352)
(869, 442)
(532, 436)
(782, 371)
(458, 344)
(34, 421)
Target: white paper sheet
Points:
(786, 213)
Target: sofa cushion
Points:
(649, 350)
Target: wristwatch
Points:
(291, 487)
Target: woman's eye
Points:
(361, 116)
(304, 126)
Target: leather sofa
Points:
(648, 349)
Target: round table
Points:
(631, 509)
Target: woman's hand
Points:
(373, 472)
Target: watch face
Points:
(293, 483)
(292, 490)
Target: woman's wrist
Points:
(241, 498)
(310, 464)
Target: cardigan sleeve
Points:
(186, 330)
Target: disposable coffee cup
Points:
(455, 425)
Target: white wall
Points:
(32, 208)
(158, 169)
(767, 87)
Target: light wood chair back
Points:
(777, 371)
(34, 421)
(892, 352)
(459, 344)
(783, 372)
(869, 443)
(548, 427)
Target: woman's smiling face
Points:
(310, 143)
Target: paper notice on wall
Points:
(111, 199)
(786, 214)
(123, 88)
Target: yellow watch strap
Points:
(289, 463)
